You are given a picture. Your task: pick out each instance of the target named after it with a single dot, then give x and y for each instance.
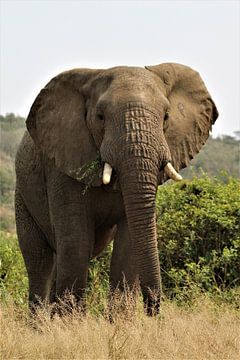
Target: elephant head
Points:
(137, 121)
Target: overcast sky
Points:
(42, 38)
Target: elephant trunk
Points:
(139, 193)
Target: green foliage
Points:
(7, 184)
(11, 122)
(98, 281)
(12, 128)
(13, 277)
(89, 173)
(11, 131)
(219, 154)
(7, 219)
(199, 235)
(7, 178)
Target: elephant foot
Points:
(152, 303)
(68, 304)
(122, 304)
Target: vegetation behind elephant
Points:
(97, 145)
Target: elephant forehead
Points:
(130, 74)
(126, 70)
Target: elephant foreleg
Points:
(74, 231)
(123, 280)
(122, 271)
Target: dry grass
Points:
(203, 331)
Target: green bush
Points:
(98, 280)
(199, 245)
(199, 235)
(7, 178)
(13, 277)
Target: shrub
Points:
(98, 280)
(199, 235)
(13, 277)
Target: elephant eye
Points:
(166, 116)
(165, 121)
(100, 116)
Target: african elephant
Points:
(98, 144)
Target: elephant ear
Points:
(192, 111)
(56, 122)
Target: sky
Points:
(39, 39)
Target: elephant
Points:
(98, 144)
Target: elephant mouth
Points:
(168, 170)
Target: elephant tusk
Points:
(107, 172)
(172, 173)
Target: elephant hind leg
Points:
(37, 254)
(103, 237)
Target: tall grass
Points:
(203, 331)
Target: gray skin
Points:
(135, 119)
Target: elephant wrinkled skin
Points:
(133, 122)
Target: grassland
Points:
(203, 331)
